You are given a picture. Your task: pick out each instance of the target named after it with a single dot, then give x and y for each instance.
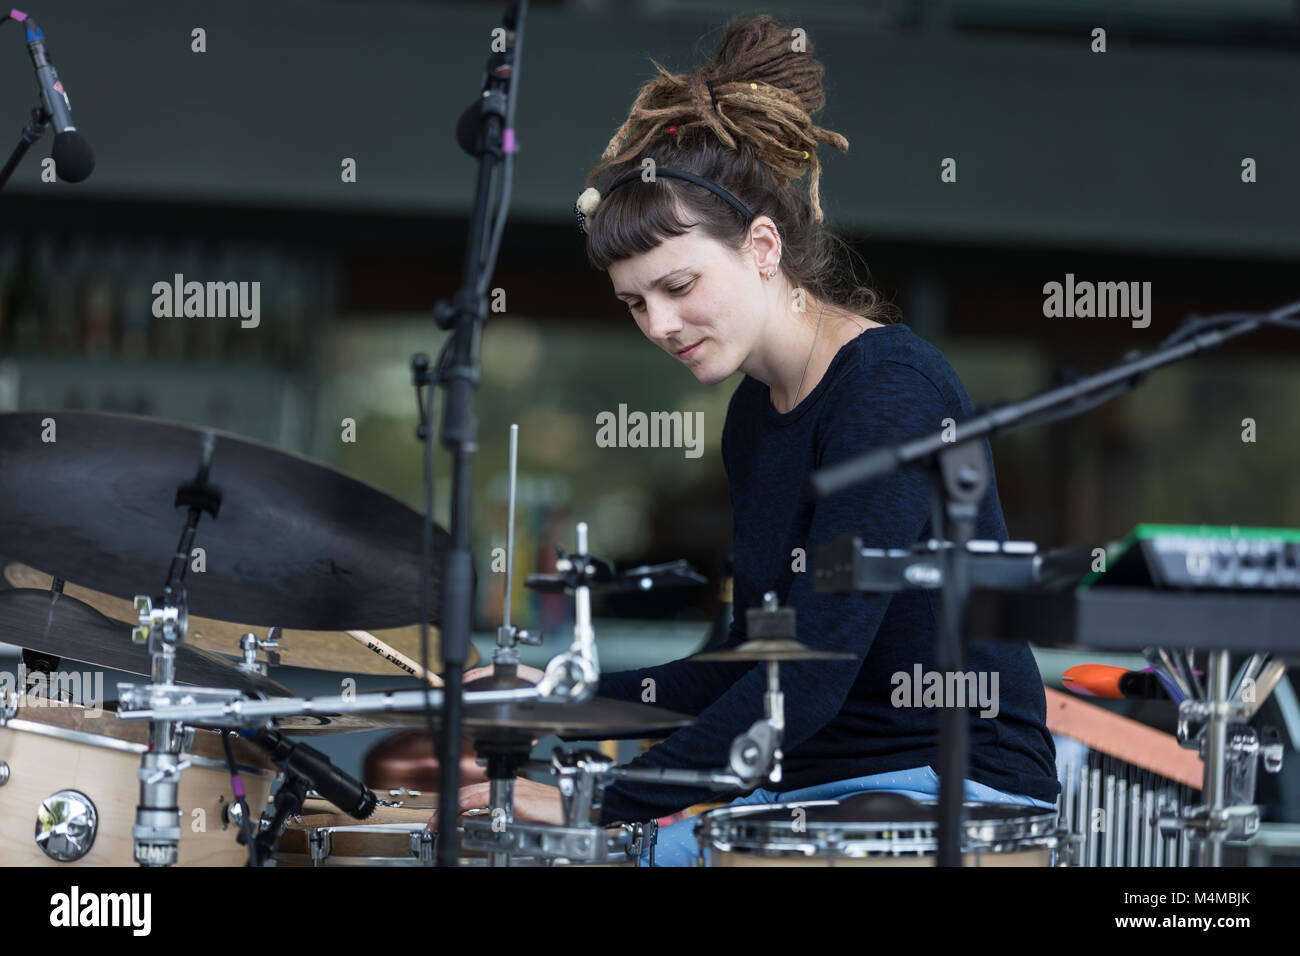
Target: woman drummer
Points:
(698, 216)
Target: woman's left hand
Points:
(537, 802)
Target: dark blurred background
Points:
(226, 165)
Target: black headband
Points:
(690, 178)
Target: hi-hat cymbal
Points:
(91, 497)
(771, 649)
(321, 650)
(594, 719)
(66, 628)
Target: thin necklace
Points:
(810, 355)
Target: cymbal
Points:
(524, 720)
(313, 725)
(294, 543)
(63, 626)
(593, 719)
(772, 649)
(321, 650)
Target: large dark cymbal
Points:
(66, 628)
(294, 545)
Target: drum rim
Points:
(619, 838)
(26, 725)
(726, 830)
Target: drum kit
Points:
(143, 542)
(181, 769)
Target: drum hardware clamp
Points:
(250, 644)
(574, 674)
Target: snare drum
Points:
(69, 786)
(871, 829)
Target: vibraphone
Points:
(1117, 775)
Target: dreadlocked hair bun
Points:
(766, 84)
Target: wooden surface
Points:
(1129, 740)
(39, 766)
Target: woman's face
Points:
(695, 299)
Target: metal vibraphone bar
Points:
(1117, 777)
(1113, 807)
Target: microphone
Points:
(351, 796)
(73, 159)
(492, 99)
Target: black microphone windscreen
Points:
(73, 158)
(467, 127)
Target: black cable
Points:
(508, 160)
(237, 785)
(427, 406)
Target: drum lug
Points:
(66, 825)
(318, 841)
(422, 846)
(231, 813)
(4, 773)
(1069, 850)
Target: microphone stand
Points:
(458, 375)
(959, 478)
(33, 131)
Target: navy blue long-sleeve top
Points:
(885, 386)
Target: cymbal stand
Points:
(504, 756)
(583, 775)
(759, 748)
(1229, 747)
(156, 834)
(505, 656)
(574, 674)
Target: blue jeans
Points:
(676, 845)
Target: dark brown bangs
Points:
(633, 219)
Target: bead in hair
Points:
(585, 206)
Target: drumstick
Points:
(388, 652)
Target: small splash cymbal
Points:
(772, 649)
